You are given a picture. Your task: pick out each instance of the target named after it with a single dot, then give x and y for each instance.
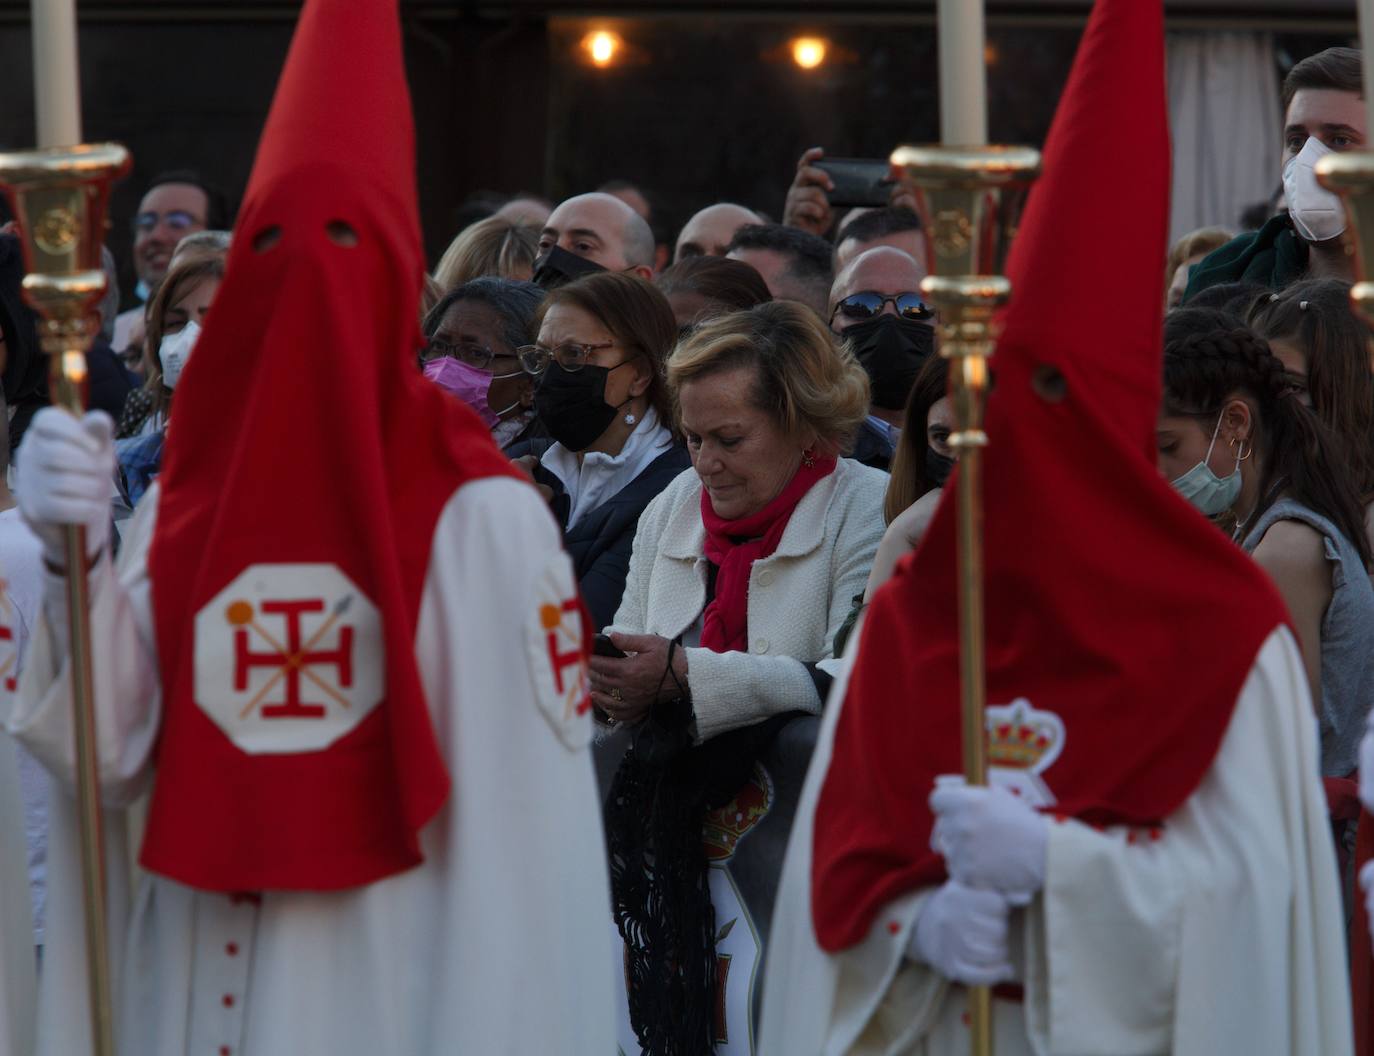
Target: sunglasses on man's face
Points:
(866, 305)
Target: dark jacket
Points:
(1273, 256)
(601, 541)
(872, 447)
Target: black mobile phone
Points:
(858, 181)
(603, 646)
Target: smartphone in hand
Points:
(603, 646)
(858, 181)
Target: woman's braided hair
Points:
(1210, 358)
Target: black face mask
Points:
(572, 404)
(891, 349)
(938, 467)
(558, 267)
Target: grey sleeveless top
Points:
(1347, 657)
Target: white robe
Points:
(16, 919)
(495, 945)
(1223, 935)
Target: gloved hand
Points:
(962, 934)
(1367, 764)
(990, 839)
(66, 476)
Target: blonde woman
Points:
(491, 248)
(741, 573)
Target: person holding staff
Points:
(1154, 829)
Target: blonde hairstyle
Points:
(189, 273)
(494, 247)
(807, 380)
(1194, 243)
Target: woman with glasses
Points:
(600, 394)
(473, 336)
(742, 573)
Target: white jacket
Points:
(798, 597)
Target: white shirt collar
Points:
(600, 476)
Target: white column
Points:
(56, 79)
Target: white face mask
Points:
(1207, 492)
(175, 350)
(1317, 213)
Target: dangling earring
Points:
(809, 458)
(630, 419)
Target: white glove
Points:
(990, 839)
(1367, 764)
(962, 934)
(1367, 886)
(66, 476)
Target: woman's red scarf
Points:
(734, 546)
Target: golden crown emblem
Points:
(1021, 738)
(725, 826)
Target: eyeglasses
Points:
(571, 356)
(867, 304)
(469, 352)
(177, 220)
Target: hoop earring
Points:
(1243, 454)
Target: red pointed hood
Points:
(1105, 591)
(307, 462)
(342, 103)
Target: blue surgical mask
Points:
(1207, 492)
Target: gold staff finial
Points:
(970, 201)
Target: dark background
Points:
(705, 105)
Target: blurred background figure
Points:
(490, 248)
(176, 204)
(794, 264)
(709, 231)
(702, 287)
(1187, 251)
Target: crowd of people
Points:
(739, 437)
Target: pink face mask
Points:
(470, 385)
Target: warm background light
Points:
(808, 52)
(602, 46)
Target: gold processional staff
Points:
(59, 194)
(969, 196)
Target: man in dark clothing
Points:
(1323, 112)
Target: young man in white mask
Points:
(1323, 112)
